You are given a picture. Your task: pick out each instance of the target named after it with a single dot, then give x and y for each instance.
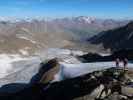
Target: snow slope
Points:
(6, 61)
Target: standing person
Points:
(117, 61)
(125, 62)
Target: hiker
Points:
(117, 62)
(125, 62)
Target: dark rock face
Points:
(90, 57)
(94, 57)
(119, 38)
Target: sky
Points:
(66, 8)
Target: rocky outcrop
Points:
(108, 84)
(119, 38)
(46, 72)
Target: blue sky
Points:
(64, 8)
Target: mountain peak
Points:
(86, 19)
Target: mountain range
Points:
(27, 36)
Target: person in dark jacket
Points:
(125, 62)
(117, 62)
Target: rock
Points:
(50, 75)
(128, 91)
(47, 72)
(116, 96)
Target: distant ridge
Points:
(119, 38)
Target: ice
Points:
(6, 61)
(74, 70)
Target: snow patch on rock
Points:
(26, 38)
(23, 52)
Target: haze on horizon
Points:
(116, 9)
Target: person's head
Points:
(117, 59)
(126, 59)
